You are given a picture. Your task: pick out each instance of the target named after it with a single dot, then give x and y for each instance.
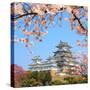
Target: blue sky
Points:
(22, 57)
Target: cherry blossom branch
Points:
(26, 14)
(78, 21)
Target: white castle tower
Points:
(61, 62)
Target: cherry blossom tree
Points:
(82, 68)
(16, 72)
(38, 17)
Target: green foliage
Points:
(71, 80)
(57, 82)
(44, 77)
(34, 75)
(76, 79)
(28, 83)
(41, 78)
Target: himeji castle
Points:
(39, 65)
(62, 61)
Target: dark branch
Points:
(76, 18)
(20, 16)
